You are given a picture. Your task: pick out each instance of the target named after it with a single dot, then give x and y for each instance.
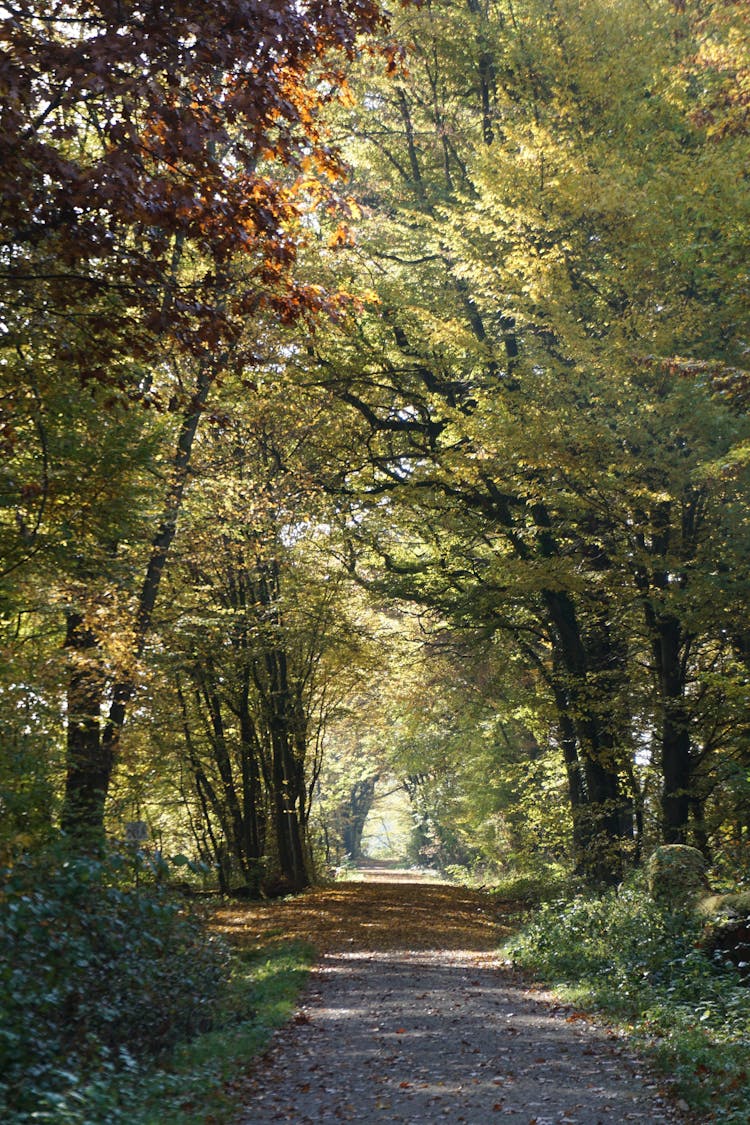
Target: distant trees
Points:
(257, 642)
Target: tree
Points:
(549, 231)
(155, 165)
(257, 642)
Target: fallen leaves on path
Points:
(412, 1017)
(372, 915)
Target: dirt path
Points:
(412, 1017)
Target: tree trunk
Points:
(287, 741)
(91, 750)
(253, 812)
(676, 758)
(574, 775)
(605, 828)
(354, 815)
(88, 765)
(289, 836)
(670, 645)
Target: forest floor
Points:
(411, 1015)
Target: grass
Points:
(204, 1078)
(643, 968)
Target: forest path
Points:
(411, 1016)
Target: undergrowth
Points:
(202, 1080)
(117, 1005)
(642, 965)
(547, 884)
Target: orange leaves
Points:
(182, 125)
(371, 914)
(341, 237)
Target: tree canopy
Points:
(374, 397)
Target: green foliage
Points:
(544, 883)
(27, 772)
(197, 1080)
(195, 1083)
(555, 243)
(676, 875)
(95, 977)
(627, 955)
(263, 988)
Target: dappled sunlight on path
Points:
(411, 1016)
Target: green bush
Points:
(94, 976)
(641, 962)
(534, 887)
(677, 875)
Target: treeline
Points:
(391, 409)
(552, 385)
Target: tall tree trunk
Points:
(355, 813)
(606, 828)
(88, 767)
(207, 796)
(289, 795)
(235, 826)
(287, 742)
(253, 811)
(670, 645)
(574, 774)
(676, 758)
(91, 750)
(289, 839)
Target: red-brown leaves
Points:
(732, 384)
(130, 129)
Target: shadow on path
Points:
(411, 1017)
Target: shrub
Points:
(94, 976)
(726, 935)
(677, 875)
(531, 888)
(642, 962)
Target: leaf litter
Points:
(412, 1016)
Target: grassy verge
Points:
(641, 966)
(202, 1080)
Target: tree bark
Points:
(253, 813)
(355, 813)
(88, 767)
(670, 645)
(605, 827)
(574, 775)
(287, 745)
(92, 750)
(676, 759)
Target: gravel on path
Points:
(425, 1033)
